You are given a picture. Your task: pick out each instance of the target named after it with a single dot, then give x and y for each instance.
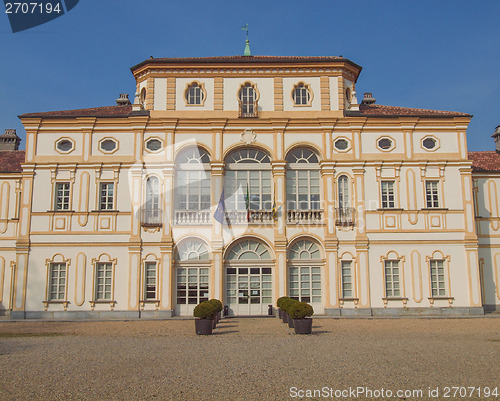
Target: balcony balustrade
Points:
(151, 217)
(345, 216)
(304, 216)
(192, 217)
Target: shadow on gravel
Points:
(221, 333)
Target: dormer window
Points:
(195, 94)
(248, 97)
(301, 95)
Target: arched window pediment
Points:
(302, 156)
(192, 250)
(193, 155)
(248, 155)
(304, 250)
(248, 250)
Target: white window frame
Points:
(343, 192)
(55, 270)
(150, 280)
(100, 289)
(301, 175)
(387, 189)
(305, 261)
(63, 202)
(392, 278)
(301, 95)
(347, 266)
(106, 195)
(432, 194)
(438, 288)
(252, 168)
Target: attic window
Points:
(195, 94)
(65, 145)
(301, 95)
(153, 145)
(386, 144)
(429, 143)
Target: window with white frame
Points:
(151, 210)
(431, 194)
(343, 184)
(438, 287)
(192, 188)
(193, 263)
(347, 284)
(106, 196)
(57, 282)
(248, 100)
(388, 200)
(194, 94)
(62, 196)
(302, 180)
(301, 95)
(305, 272)
(103, 281)
(392, 278)
(150, 289)
(248, 178)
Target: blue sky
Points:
(435, 54)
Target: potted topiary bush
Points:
(300, 313)
(218, 309)
(205, 312)
(278, 304)
(284, 307)
(290, 319)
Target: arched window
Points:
(302, 180)
(345, 213)
(248, 180)
(248, 268)
(192, 186)
(301, 95)
(248, 100)
(304, 267)
(343, 192)
(195, 94)
(192, 261)
(151, 215)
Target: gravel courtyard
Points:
(246, 359)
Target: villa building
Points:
(247, 178)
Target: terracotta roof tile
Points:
(378, 110)
(485, 161)
(10, 161)
(108, 111)
(245, 60)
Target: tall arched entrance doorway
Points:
(248, 278)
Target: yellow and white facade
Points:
(358, 209)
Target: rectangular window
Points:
(192, 285)
(388, 194)
(62, 196)
(104, 281)
(57, 283)
(431, 194)
(302, 188)
(438, 288)
(347, 290)
(150, 280)
(106, 196)
(391, 268)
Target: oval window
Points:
(341, 144)
(384, 143)
(108, 145)
(153, 144)
(429, 143)
(65, 145)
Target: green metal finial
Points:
(247, 44)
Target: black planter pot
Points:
(303, 326)
(214, 322)
(285, 317)
(203, 326)
(280, 313)
(290, 322)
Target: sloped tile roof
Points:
(245, 60)
(107, 111)
(378, 110)
(485, 161)
(10, 161)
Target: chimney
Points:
(123, 100)
(368, 99)
(496, 137)
(9, 140)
